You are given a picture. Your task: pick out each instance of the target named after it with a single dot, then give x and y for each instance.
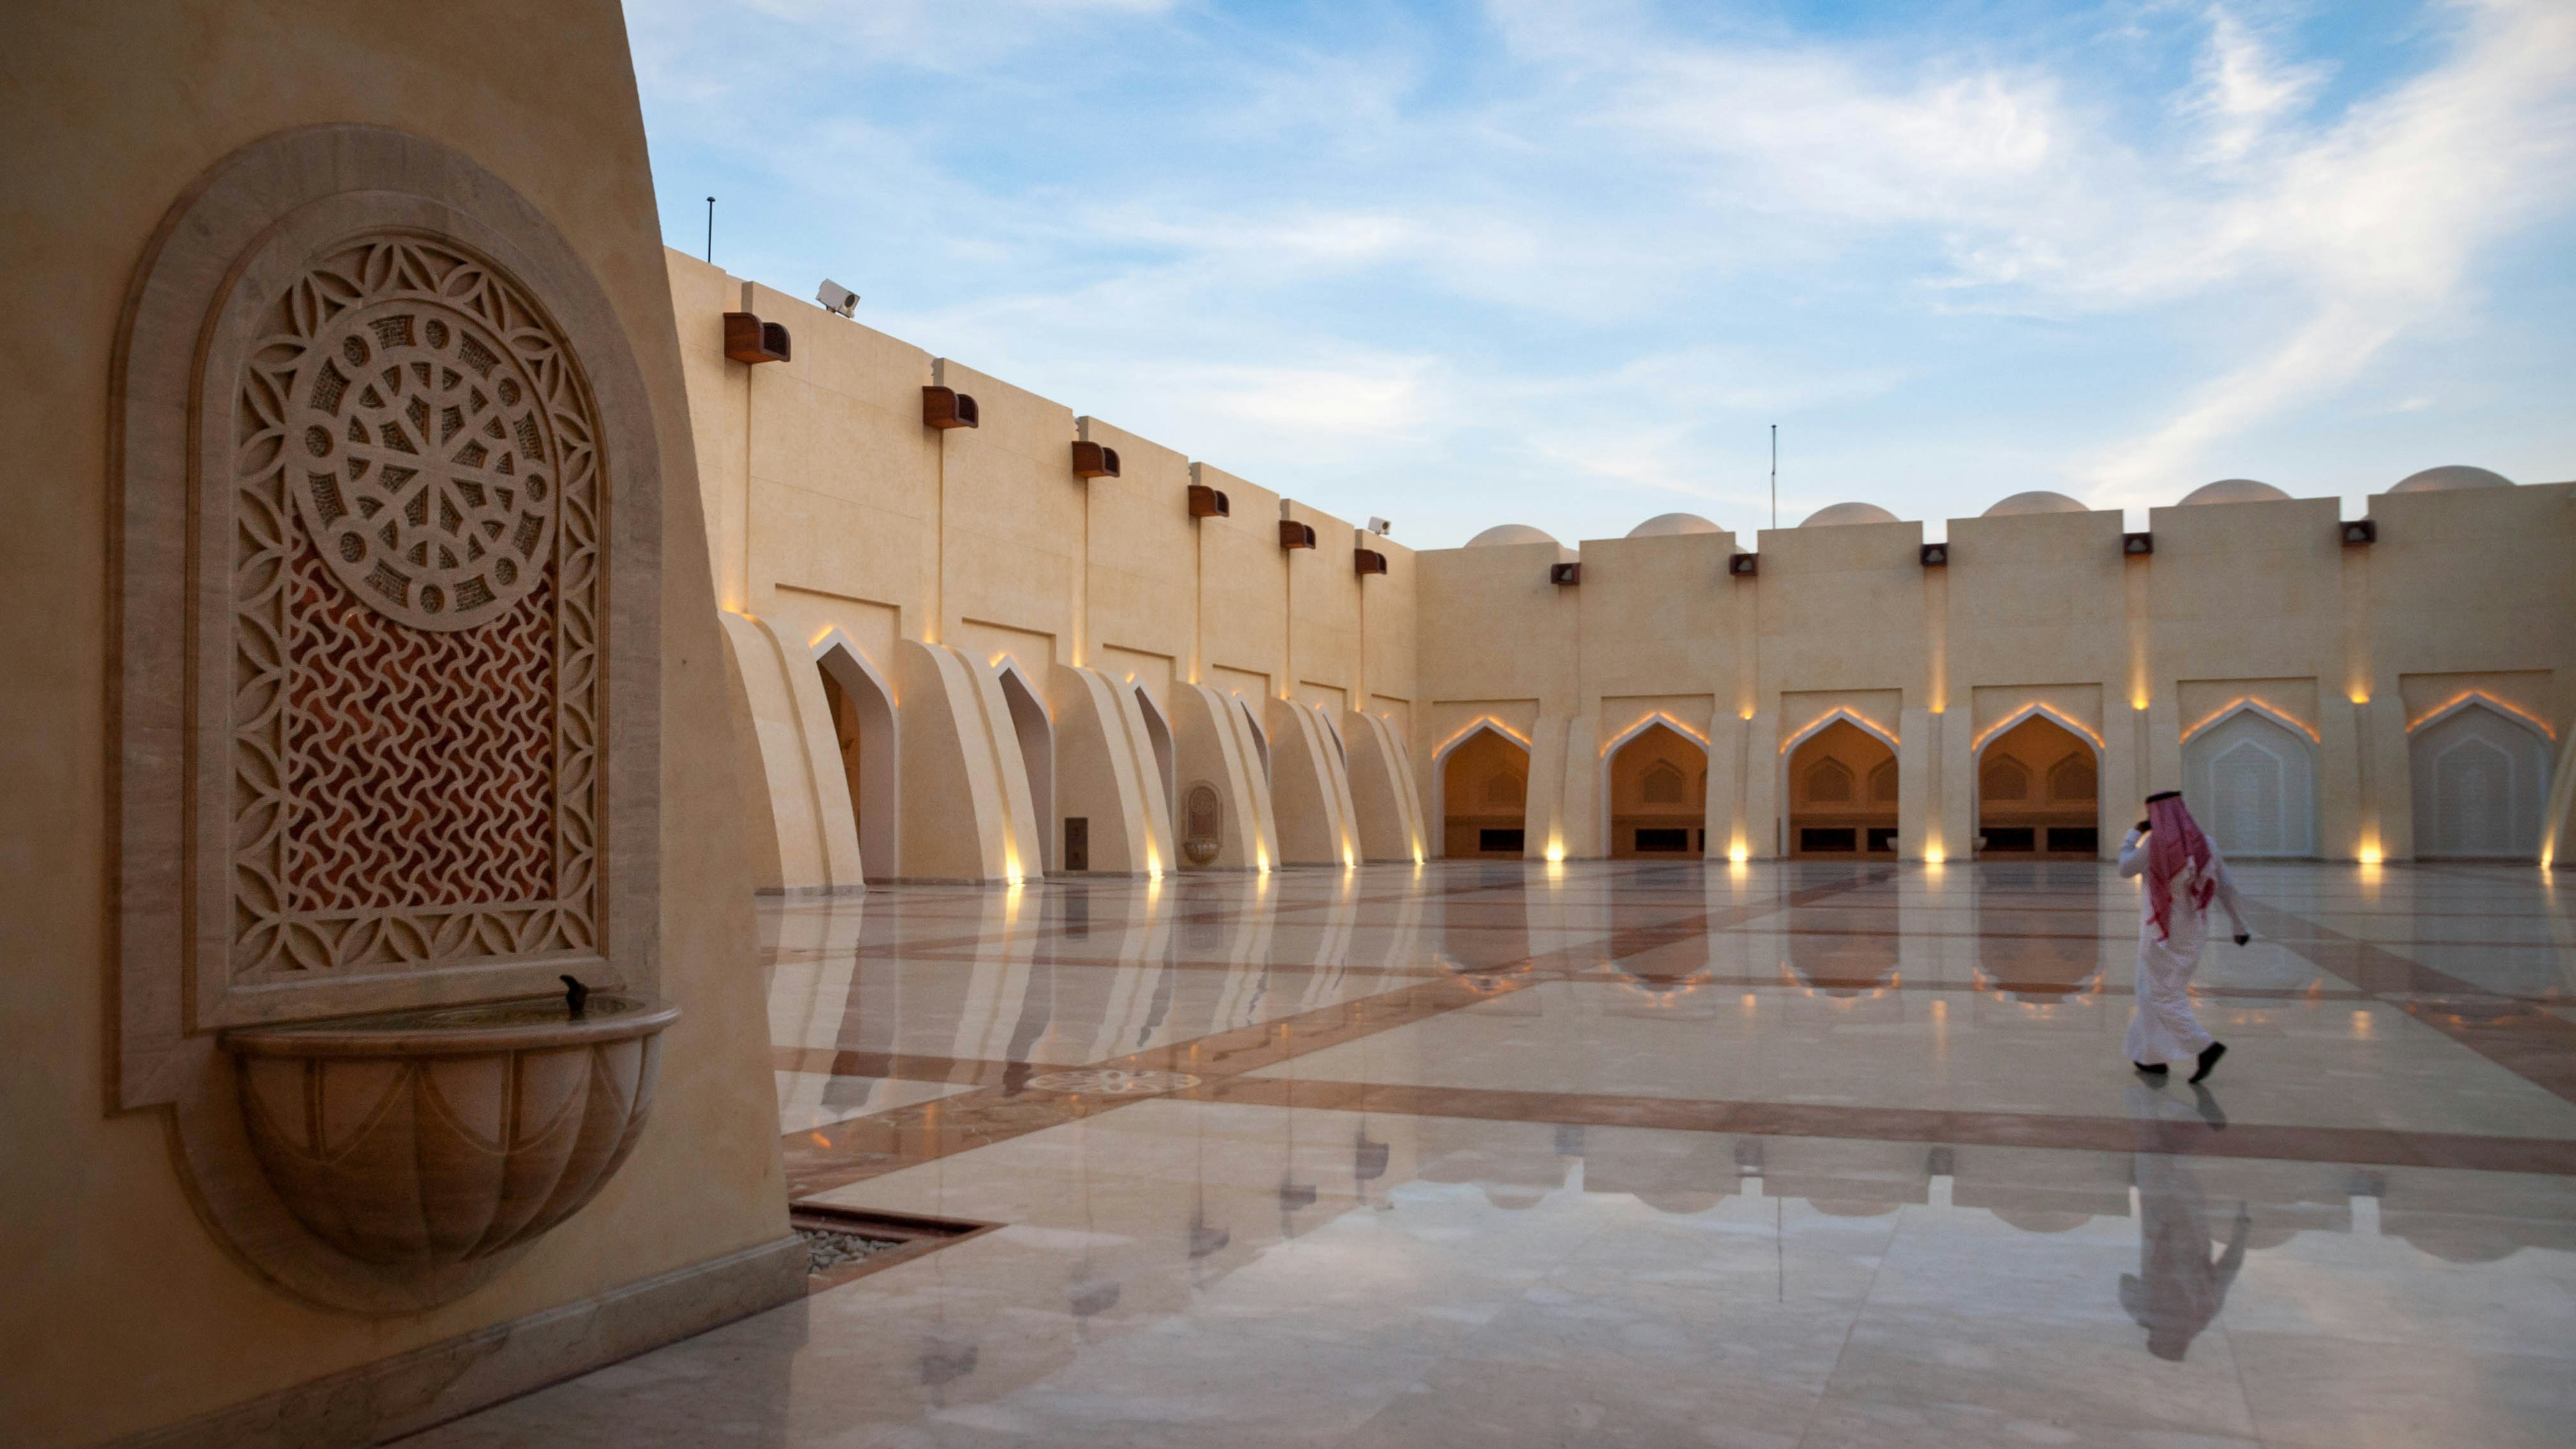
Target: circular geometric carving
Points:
(429, 425)
(1110, 1082)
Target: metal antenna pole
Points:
(711, 231)
(1775, 470)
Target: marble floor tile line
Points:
(2534, 1045)
(824, 1158)
(1824, 1122)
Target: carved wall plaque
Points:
(388, 725)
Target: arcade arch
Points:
(1036, 731)
(1658, 793)
(2481, 783)
(863, 728)
(1484, 796)
(2039, 791)
(1158, 733)
(2251, 778)
(1842, 791)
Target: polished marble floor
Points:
(1630, 1154)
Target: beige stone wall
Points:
(2465, 595)
(123, 1311)
(838, 520)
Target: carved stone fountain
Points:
(426, 1138)
(389, 717)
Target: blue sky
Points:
(1565, 263)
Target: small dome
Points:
(2235, 490)
(1847, 513)
(1663, 525)
(2038, 500)
(2451, 476)
(1509, 533)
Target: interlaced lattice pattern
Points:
(416, 595)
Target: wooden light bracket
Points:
(2360, 531)
(1206, 502)
(946, 407)
(1744, 565)
(748, 339)
(1564, 574)
(2137, 545)
(1293, 534)
(1936, 555)
(1367, 561)
(1090, 460)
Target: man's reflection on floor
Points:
(2179, 1287)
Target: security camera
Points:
(837, 299)
(1381, 527)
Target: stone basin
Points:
(424, 1138)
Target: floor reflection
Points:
(1810, 1154)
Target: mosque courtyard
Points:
(1653, 1154)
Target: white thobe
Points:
(2164, 1029)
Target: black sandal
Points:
(2209, 1056)
(2156, 1070)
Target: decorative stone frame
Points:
(251, 228)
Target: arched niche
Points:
(1036, 731)
(2039, 792)
(2251, 778)
(2481, 777)
(1842, 780)
(864, 725)
(387, 576)
(1658, 791)
(1484, 796)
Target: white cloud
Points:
(1588, 263)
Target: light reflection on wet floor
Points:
(1658, 1155)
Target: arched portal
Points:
(1484, 797)
(863, 726)
(1658, 795)
(2039, 793)
(1158, 733)
(1842, 793)
(2252, 784)
(2481, 784)
(1037, 756)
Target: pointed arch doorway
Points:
(1842, 793)
(1484, 796)
(1658, 789)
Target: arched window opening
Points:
(2072, 778)
(2006, 780)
